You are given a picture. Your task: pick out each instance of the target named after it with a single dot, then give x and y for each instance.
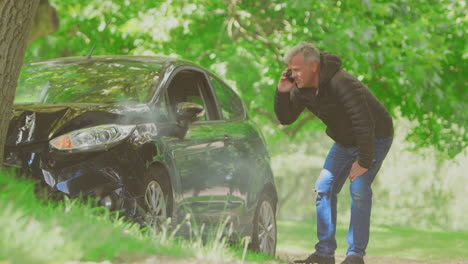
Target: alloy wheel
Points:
(156, 204)
(267, 228)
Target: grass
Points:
(36, 231)
(391, 241)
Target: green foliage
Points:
(412, 54)
(420, 190)
(37, 231)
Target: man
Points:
(362, 130)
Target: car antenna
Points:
(91, 52)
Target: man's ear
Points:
(314, 66)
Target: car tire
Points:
(264, 227)
(156, 200)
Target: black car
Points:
(144, 134)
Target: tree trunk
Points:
(16, 18)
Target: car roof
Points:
(164, 61)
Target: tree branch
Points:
(268, 115)
(289, 131)
(295, 130)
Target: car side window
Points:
(230, 103)
(191, 86)
(162, 113)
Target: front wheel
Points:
(264, 229)
(156, 199)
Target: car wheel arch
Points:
(270, 190)
(148, 151)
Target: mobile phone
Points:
(289, 75)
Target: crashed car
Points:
(153, 137)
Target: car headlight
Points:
(92, 138)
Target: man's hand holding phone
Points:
(286, 82)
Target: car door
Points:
(204, 172)
(246, 150)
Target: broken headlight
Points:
(92, 138)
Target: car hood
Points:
(39, 122)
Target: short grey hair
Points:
(309, 52)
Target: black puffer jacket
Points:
(354, 117)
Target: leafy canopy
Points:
(410, 53)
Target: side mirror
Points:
(189, 112)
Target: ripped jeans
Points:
(334, 174)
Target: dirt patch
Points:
(290, 257)
(286, 258)
(171, 260)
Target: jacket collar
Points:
(330, 64)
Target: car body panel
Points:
(217, 168)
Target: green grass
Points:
(37, 231)
(388, 241)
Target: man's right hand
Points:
(284, 85)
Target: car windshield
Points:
(93, 81)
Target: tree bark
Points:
(16, 18)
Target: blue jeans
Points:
(334, 174)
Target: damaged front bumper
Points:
(111, 176)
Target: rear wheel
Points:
(264, 229)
